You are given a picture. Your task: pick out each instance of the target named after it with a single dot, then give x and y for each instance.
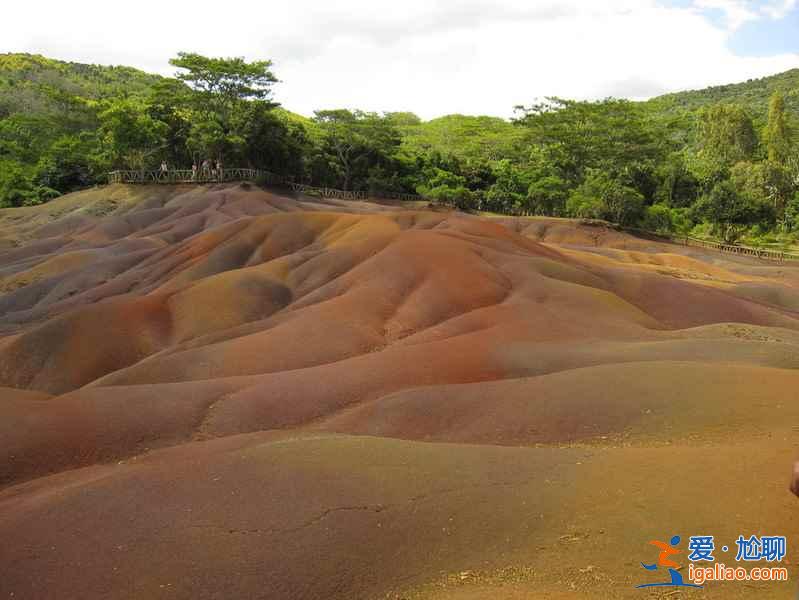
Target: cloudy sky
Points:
(431, 57)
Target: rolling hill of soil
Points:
(226, 392)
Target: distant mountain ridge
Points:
(753, 95)
(34, 83)
(44, 77)
(52, 139)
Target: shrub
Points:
(658, 218)
(601, 196)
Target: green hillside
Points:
(753, 95)
(87, 76)
(494, 138)
(703, 161)
(487, 138)
(54, 95)
(48, 112)
(33, 84)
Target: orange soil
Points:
(213, 392)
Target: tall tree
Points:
(222, 82)
(614, 135)
(509, 192)
(170, 102)
(731, 211)
(224, 89)
(356, 142)
(764, 182)
(602, 196)
(547, 195)
(776, 134)
(727, 135)
(130, 134)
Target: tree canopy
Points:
(777, 136)
(225, 79)
(727, 135)
(721, 161)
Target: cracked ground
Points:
(225, 392)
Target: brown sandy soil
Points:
(223, 392)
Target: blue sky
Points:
(758, 28)
(432, 57)
(768, 36)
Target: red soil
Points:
(184, 371)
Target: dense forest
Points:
(719, 162)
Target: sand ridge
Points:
(363, 400)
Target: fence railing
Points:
(735, 249)
(326, 192)
(191, 176)
(684, 240)
(403, 196)
(236, 174)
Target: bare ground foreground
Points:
(223, 393)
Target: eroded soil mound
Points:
(223, 391)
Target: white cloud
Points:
(740, 12)
(778, 9)
(432, 57)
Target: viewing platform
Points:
(190, 176)
(203, 177)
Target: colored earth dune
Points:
(224, 392)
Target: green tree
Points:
(17, 187)
(547, 195)
(221, 83)
(678, 186)
(25, 137)
(764, 182)
(658, 218)
(612, 135)
(403, 119)
(130, 135)
(468, 139)
(209, 138)
(726, 135)
(272, 141)
(446, 187)
(730, 211)
(792, 213)
(171, 103)
(68, 164)
(508, 194)
(356, 142)
(776, 135)
(604, 197)
(225, 91)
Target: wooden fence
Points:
(189, 176)
(230, 175)
(404, 197)
(326, 192)
(735, 249)
(683, 240)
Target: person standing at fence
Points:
(219, 169)
(194, 172)
(205, 169)
(164, 170)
